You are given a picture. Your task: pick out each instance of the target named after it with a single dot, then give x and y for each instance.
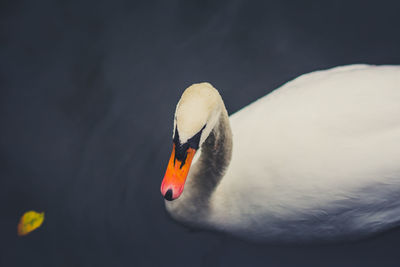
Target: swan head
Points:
(196, 114)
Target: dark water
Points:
(88, 91)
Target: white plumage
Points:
(316, 160)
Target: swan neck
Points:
(216, 152)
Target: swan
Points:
(318, 159)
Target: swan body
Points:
(316, 160)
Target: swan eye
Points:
(195, 140)
(176, 137)
(181, 149)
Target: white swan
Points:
(316, 160)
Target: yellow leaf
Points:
(29, 222)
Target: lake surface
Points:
(87, 96)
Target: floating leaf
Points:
(29, 222)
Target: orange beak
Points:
(176, 174)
